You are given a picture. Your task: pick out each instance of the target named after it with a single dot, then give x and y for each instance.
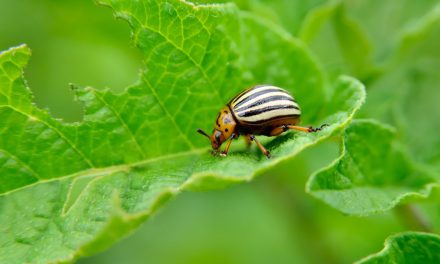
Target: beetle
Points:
(260, 110)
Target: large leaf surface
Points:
(409, 247)
(373, 174)
(73, 189)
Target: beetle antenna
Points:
(203, 133)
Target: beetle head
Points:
(223, 129)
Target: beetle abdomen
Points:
(264, 103)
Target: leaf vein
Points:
(25, 164)
(123, 123)
(88, 161)
(185, 137)
(191, 59)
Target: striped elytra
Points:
(263, 103)
(261, 110)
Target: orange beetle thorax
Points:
(224, 127)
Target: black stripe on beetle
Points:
(255, 95)
(265, 100)
(238, 96)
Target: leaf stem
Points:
(413, 218)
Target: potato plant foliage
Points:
(73, 189)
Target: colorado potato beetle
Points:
(261, 110)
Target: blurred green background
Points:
(271, 220)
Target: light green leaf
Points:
(69, 190)
(347, 47)
(409, 247)
(373, 174)
(407, 96)
(288, 13)
(315, 19)
(418, 31)
(391, 19)
(364, 42)
(349, 39)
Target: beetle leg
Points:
(278, 130)
(248, 141)
(262, 148)
(224, 153)
(308, 129)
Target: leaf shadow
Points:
(280, 140)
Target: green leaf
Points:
(69, 190)
(347, 47)
(418, 31)
(407, 96)
(373, 174)
(363, 41)
(288, 13)
(386, 37)
(409, 247)
(315, 19)
(349, 39)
